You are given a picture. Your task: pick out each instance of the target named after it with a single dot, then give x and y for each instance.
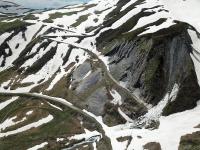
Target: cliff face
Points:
(152, 64)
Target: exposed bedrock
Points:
(152, 64)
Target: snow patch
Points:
(24, 128)
(36, 147)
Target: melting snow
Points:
(155, 112)
(4, 36)
(117, 99)
(87, 135)
(168, 134)
(9, 122)
(55, 106)
(36, 147)
(7, 102)
(29, 112)
(18, 39)
(26, 127)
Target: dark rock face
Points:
(154, 63)
(187, 96)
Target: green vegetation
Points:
(64, 124)
(7, 74)
(80, 20)
(30, 17)
(9, 26)
(58, 15)
(190, 142)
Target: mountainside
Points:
(11, 9)
(106, 75)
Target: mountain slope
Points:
(129, 68)
(11, 9)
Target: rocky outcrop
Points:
(153, 63)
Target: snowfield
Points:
(168, 134)
(184, 10)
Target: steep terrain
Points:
(109, 74)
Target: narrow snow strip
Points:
(9, 122)
(128, 4)
(126, 17)
(87, 74)
(55, 106)
(117, 99)
(36, 147)
(152, 18)
(29, 126)
(155, 112)
(58, 77)
(124, 115)
(154, 28)
(87, 135)
(6, 103)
